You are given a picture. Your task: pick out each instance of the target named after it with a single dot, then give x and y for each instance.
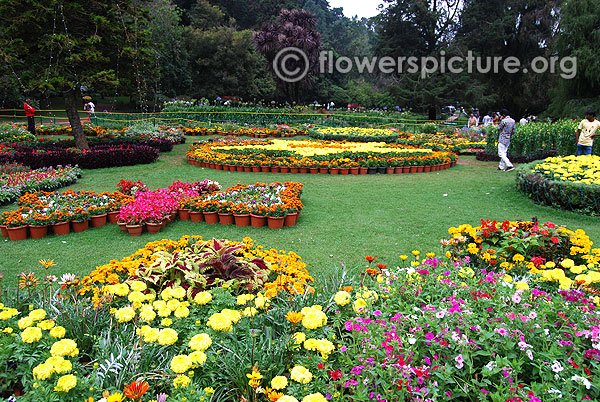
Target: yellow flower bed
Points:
(312, 148)
(577, 169)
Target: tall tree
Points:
(297, 29)
(579, 35)
(87, 44)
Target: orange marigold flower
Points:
(294, 317)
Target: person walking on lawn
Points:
(30, 113)
(506, 129)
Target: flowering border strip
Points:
(13, 185)
(202, 154)
(566, 195)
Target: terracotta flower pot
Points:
(135, 230)
(304, 170)
(284, 169)
(427, 168)
(344, 171)
(276, 222)
(334, 170)
(265, 169)
(290, 219)
(363, 170)
(79, 227)
(397, 170)
(38, 232)
(122, 226)
(219, 166)
(4, 231)
(274, 169)
(18, 233)
(389, 170)
(226, 219)
(241, 219)
(258, 221)
(61, 229)
(239, 168)
(294, 170)
(247, 169)
(113, 216)
(354, 170)
(313, 170)
(323, 170)
(211, 217)
(196, 216)
(255, 169)
(405, 169)
(153, 227)
(413, 169)
(99, 220)
(184, 214)
(420, 169)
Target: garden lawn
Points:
(345, 217)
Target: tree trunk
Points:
(432, 113)
(72, 100)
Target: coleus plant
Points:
(205, 265)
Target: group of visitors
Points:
(584, 136)
(89, 107)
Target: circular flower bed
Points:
(317, 157)
(570, 182)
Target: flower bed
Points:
(162, 145)
(355, 134)
(318, 156)
(570, 183)
(14, 134)
(440, 142)
(238, 130)
(15, 180)
(100, 156)
(426, 328)
(39, 211)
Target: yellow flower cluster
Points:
(31, 334)
(304, 148)
(313, 317)
(357, 132)
(224, 320)
(279, 382)
(66, 383)
(324, 346)
(301, 374)
(342, 298)
(7, 313)
(51, 366)
(577, 169)
(64, 347)
(200, 342)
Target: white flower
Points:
(582, 380)
(491, 365)
(529, 354)
(557, 367)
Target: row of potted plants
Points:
(62, 212)
(17, 179)
(301, 156)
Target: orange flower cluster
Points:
(290, 274)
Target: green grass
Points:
(345, 217)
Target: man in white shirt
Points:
(90, 108)
(487, 120)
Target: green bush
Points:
(429, 128)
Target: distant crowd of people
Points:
(494, 118)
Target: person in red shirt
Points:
(30, 113)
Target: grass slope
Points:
(345, 217)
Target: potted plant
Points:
(276, 216)
(258, 216)
(225, 213)
(79, 220)
(241, 215)
(98, 216)
(210, 211)
(38, 225)
(196, 210)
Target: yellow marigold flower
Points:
(180, 364)
(167, 336)
(64, 347)
(550, 264)
(249, 312)
(209, 390)
(124, 314)
(63, 366)
(37, 315)
(121, 289)
(181, 381)
(58, 332)
(567, 263)
(8, 330)
(318, 397)
(116, 397)
(198, 358)
(66, 383)
(313, 317)
(200, 342)
(182, 312)
(138, 286)
(43, 371)
(219, 322)
(166, 322)
(299, 337)
(25, 322)
(301, 374)
(287, 398)
(203, 298)
(260, 301)
(279, 382)
(46, 324)
(151, 335)
(173, 304)
(342, 298)
(147, 314)
(159, 305)
(233, 315)
(522, 285)
(31, 334)
(518, 258)
(136, 297)
(8, 313)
